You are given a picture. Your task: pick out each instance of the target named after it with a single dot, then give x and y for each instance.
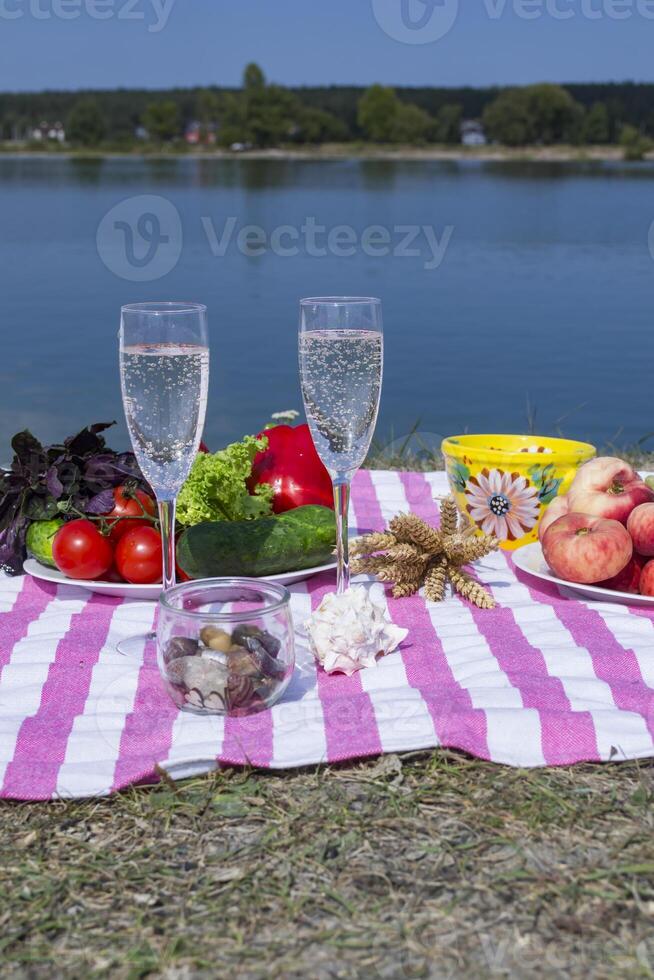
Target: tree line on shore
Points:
(262, 115)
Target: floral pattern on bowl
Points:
(502, 504)
(499, 485)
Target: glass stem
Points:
(341, 506)
(167, 522)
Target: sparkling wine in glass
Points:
(164, 375)
(341, 351)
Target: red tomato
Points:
(129, 505)
(80, 551)
(139, 556)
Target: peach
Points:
(608, 487)
(586, 549)
(628, 580)
(641, 528)
(599, 470)
(647, 579)
(557, 508)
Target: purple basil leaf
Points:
(68, 474)
(10, 506)
(100, 473)
(102, 503)
(25, 445)
(100, 427)
(53, 453)
(28, 468)
(45, 481)
(40, 508)
(128, 469)
(12, 546)
(127, 465)
(88, 440)
(110, 470)
(53, 483)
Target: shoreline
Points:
(488, 154)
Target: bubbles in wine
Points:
(341, 375)
(165, 391)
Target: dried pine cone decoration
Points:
(412, 554)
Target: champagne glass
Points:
(164, 377)
(341, 350)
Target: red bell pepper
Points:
(293, 468)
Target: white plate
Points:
(530, 559)
(151, 592)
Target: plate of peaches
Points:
(597, 540)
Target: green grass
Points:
(423, 866)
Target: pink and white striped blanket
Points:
(541, 680)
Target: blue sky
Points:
(161, 43)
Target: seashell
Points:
(270, 643)
(206, 676)
(240, 691)
(194, 698)
(235, 648)
(348, 632)
(215, 638)
(216, 656)
(175, 672)
(265, 686)
(243, 631)
(272, 668)
(222, 675)
(267, 664)
(215, 701)
(244, 663)
(180, 646)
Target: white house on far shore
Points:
(472, 133)
(47, 131)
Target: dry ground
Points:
(421, 866)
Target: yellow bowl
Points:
(504, 483)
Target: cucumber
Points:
(300, 538)
(40, 535)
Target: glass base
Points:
(133, 647)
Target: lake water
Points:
(531, 293)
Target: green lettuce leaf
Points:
(216, 490)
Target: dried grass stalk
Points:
(411, 554)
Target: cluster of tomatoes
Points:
(123, 546)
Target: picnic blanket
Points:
(541, 680)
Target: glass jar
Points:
(225, 646)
